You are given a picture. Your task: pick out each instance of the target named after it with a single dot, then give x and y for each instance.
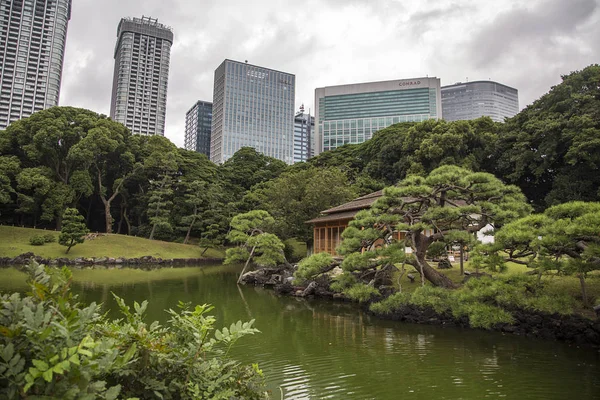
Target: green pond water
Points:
(310, 349)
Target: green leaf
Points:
(218, 335)
(85, 352)
(41, 365)
(74, 359)
(113, 392)
(47, 375)
(8, 351)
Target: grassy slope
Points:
(15, 241)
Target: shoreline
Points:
(145, 262)
(571, 328)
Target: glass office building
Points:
(352, 113)
(471, 100)
(252, 107)
(33, 34)
(141, 75)
(198, 121)
(304, 127)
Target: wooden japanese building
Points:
(329, 226)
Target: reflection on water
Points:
(323, 350)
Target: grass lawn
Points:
(15, 241)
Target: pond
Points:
(310, 349)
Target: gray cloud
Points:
(336, 41)
(540, 29)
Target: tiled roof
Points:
(333, 217)
(357, 204)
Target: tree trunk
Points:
(432, 275)
(583, 289)
(107, 216)
(120, 225)
(187, 236)
(127, 221)
(151, 237)
(246, 266)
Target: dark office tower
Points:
(252, 107)
(198, 122)
(32, 47)
(139, 94)
(304, 143)
(471, 100)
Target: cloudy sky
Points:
(524, 44)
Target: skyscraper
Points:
(198, 122)
(252, 107)
(304, 126)
(470, 100)
(32, 47)
(139, 93)
(352, 113)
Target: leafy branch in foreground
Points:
(51, 346)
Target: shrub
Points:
(361, 292)
(485, 316)
(391, 304)
(312, 266)
(49, 238)
(342, 282)
(37, 240)
(437, 298)
(51, 346)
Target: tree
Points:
(34, 188)
(564, 238)
(73, 229)
(161, 166)
(104, 148)
(431, 209)
(9, 168)
(299, 195)
(249, 231)
(551, 149)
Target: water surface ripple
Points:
(322, 350)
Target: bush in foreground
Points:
(51, 346)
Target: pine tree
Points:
(73, 229)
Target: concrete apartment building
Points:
(33, 35)
(352, 113)
(141, 75)
(471, 100)
(252, 107)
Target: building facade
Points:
(304, 127)
(252, 107)
(33, 34)
(141, 75)
(352, 113)
(470, 100)
(198, 122)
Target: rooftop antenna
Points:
(302, 108)
(246, 61)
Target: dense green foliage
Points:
(249, 232)
(143, 185)
(564, 238)
(73, 229)
(51, 346)
(486, 301)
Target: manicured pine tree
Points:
(73, 229)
